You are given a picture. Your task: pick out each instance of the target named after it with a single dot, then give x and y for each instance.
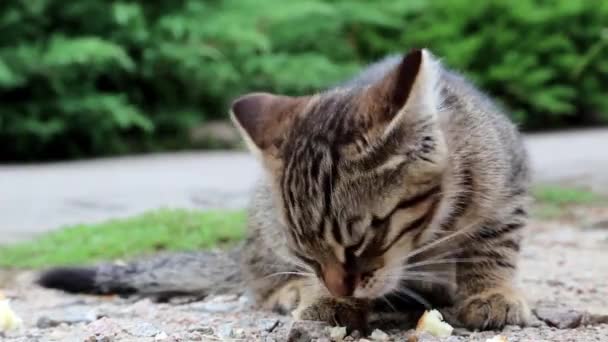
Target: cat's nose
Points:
(339, 282)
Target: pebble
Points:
(355, 334)
(104, 327)
(225, 331)
(161, 336)
(139, 328)
(337, 333)
(201, 329)
(558, 317)
(379, 335)
(238, 333)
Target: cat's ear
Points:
(410, 91)
(263, 119)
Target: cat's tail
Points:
(196, 274)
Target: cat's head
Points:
(356, 172)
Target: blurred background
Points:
(115, 140)
(81, 79)
(110, 109)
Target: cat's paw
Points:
(350, 312)
(493, 309)
(286, 299)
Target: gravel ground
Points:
(564, 272)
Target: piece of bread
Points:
(8, 318)
(432, 322)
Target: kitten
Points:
(403, 189)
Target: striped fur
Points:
(371, 183)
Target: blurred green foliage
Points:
(83, 78)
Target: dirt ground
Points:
(564, 273)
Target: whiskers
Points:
(409, 293)
(438, 269)
(287, 273)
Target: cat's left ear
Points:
(264, 119)
(410, 92)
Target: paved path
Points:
(37, 198)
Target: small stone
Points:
(512, 328)
(103, 327)
(201, 329)
(161, 336)
(225, 331)
(497, 338)
(56, 335)
(337, 333)
(559, 318)
(364, 340)
(379, 335)
(140, 328)
(238, 333)
(194, 336)
(355, 334)
(452, 339)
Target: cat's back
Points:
(480, 133)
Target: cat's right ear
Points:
(264, 119)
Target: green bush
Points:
(84, 78)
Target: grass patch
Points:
(553, 201)
(560, 195)
(123, 238)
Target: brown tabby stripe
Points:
(406, 203)
(490, 232)
(462, 201)
(510, 244)
(391, 145)
(418, 223)
(335, 231)
(417, 199)
(520, 212)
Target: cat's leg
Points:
(487, 296)
(317, 305)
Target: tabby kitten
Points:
(402, 189)
(403, 183)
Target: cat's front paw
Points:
(493, 309)
(351, 313)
